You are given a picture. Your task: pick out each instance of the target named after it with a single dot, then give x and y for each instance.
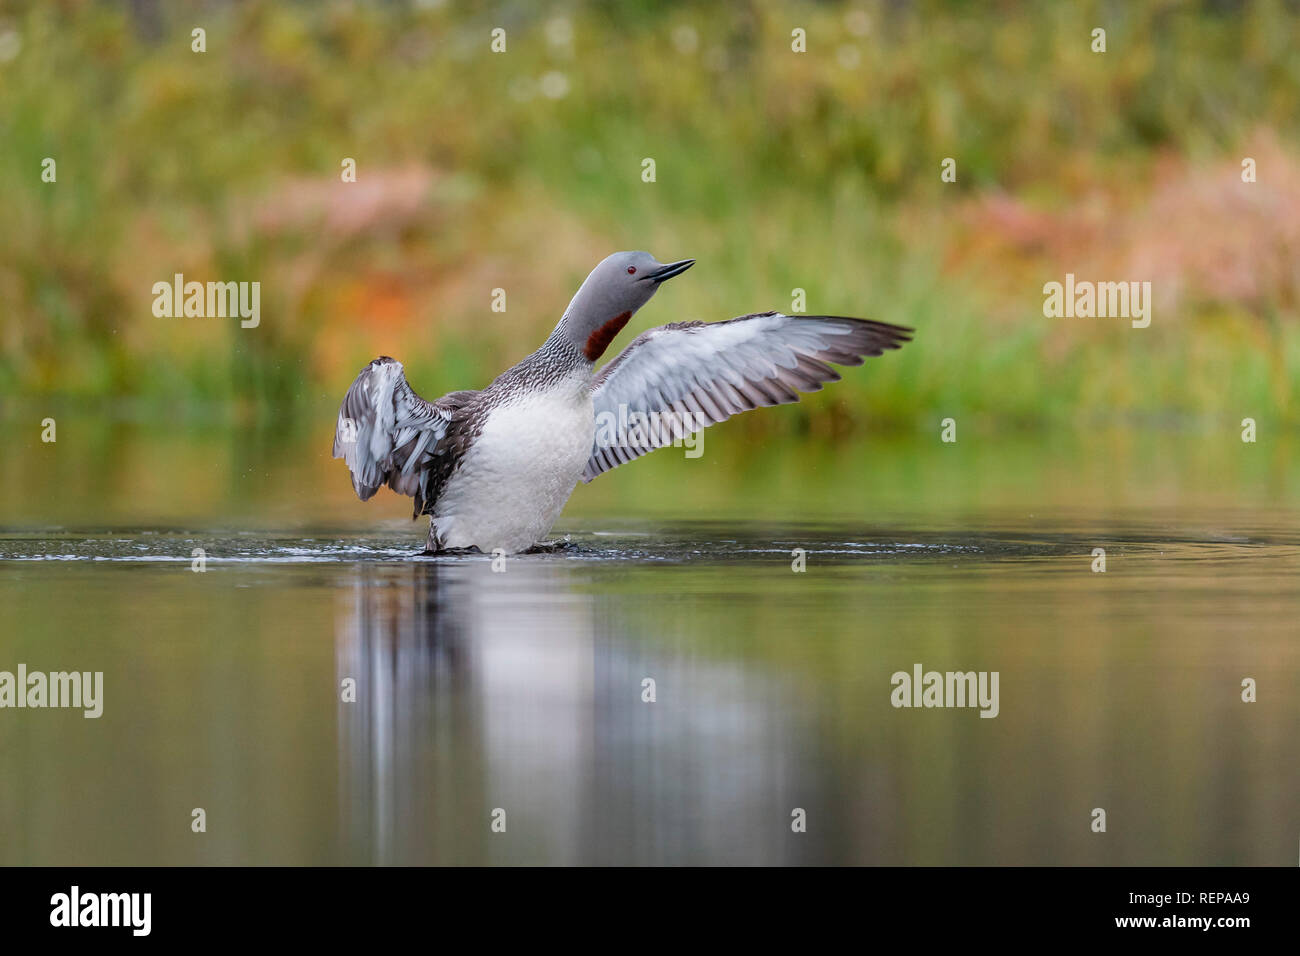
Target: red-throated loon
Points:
(493, 468)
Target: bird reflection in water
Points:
(518, 696)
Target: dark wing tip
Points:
(866, 339)
(902, 333)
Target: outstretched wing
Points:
(688, 375)
(388, 435)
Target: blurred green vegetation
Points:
(777, 170)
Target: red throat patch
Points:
(600, 339)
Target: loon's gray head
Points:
(616, 288)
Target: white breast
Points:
(518, 473)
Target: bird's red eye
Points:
(631, 270)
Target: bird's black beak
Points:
(668, 271)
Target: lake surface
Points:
(521, 687)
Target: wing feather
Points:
(696, 374)
(389, 435)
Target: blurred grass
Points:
(776, 170)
